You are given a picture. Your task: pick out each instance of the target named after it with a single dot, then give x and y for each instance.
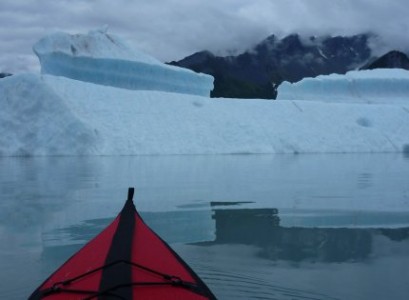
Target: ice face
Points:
(100, 58)
(34, 120)
(48, 115)
(369, 86)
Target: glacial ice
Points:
(34, 120)
(45, 114)
(101, 58)
(49, 115)
(369, 86)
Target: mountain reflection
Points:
(255, 227)
(261, 228)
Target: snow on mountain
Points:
(98, 57)
(369, 86)
(56, 115)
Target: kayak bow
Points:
(127, 260)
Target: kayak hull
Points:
(127, 260)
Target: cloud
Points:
(173, 29)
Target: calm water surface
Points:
(252, 226)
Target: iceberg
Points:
(98, 113)
(34, 120)
(50, 115)
(368, 86)
(101, 58)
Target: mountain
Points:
(391, 60)
(257, 72)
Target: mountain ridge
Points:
(257, 72)
(392, 59)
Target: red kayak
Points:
(127, 260)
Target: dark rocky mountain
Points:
(257, 73)
(390, 60)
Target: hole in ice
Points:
(405, 150)
(197, 104)
(364, 122)
(73, 50)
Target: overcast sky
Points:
(173, 29)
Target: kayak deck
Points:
(127, 260)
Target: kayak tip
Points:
(131, 192)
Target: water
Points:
(252, 226)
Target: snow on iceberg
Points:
(100, 58)
(49, 115)
(369, 86)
